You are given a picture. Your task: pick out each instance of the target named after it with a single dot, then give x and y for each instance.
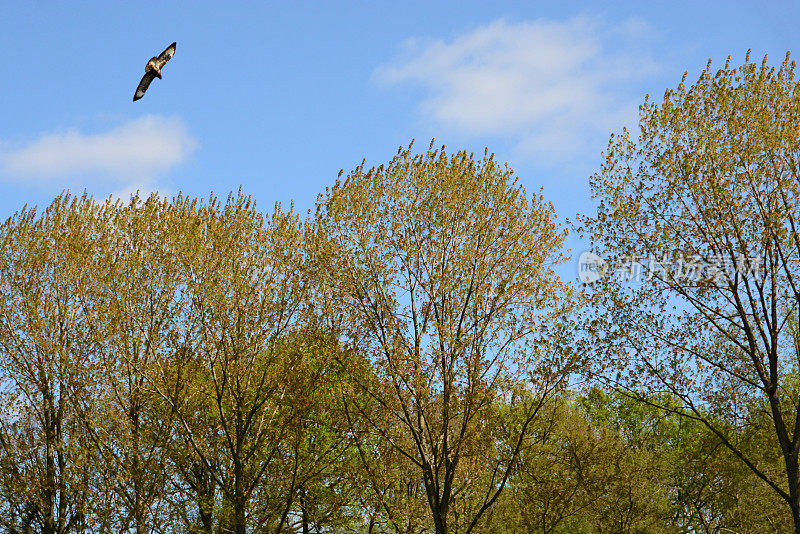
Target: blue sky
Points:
(277, 97)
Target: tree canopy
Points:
(407, 358)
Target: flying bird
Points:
(153, 70)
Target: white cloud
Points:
(547, 85)
(133, 154)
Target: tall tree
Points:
(240, 367)
(43, 342)
(439, 268)
(706, 202)
(135, 314)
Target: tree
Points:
(46, 472)
(638, 447)
(555, 481)
(706, 201)
(239, 374)
(439, 269)
(134, 314)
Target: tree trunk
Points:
(136, 468)
(48, 513)
(241, 526)
(794, 492)
(440, 522)
(204, 497)
(303, 510)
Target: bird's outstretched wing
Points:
(166, 55)
(144, 84)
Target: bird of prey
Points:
(153, 70)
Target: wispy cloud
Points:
(544, 84)
(131, 155)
